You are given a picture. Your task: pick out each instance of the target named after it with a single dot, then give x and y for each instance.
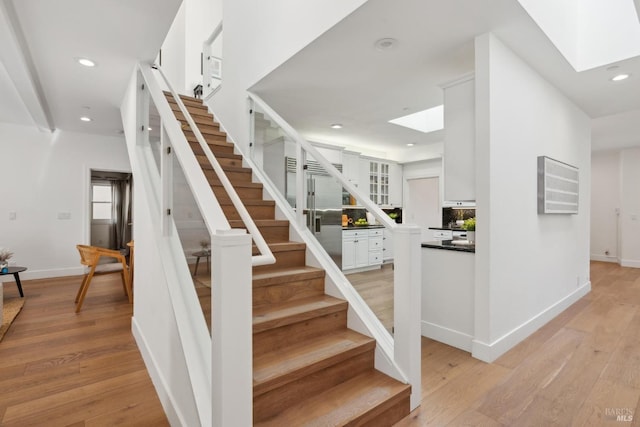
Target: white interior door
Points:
(423, 205)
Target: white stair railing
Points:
(219, 369)
(266, 256)
(404, 348)
(212, 62)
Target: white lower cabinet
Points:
(362, 248)
(375, 246)
(387, 245)
(355, 249)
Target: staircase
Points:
(308, 367)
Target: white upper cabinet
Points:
(395, 184)
(459, 140)
(382, 181)
(351, 167)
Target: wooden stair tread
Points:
(279, 367)
(185, 128)
(245, 184)
(223, 155)
(204, 163)
(352, 402)
(276, 315)
(237, 223)
(286, 246)
(250, 202)
(193, 111)
(212, 140)
(284, 275)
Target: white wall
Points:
(154, 323)
(182, 47)
(174, 51)
(605, 199)
(630, 209)
(44, 174)
(258, 37)
(528, 266)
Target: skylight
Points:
(424, 121)
(588, 33)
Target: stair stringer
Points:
(360, 317)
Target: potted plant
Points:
(5, 255)
(470, 226)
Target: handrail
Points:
(266, 256)
(215, 33)
(191, 324)
(335, 173)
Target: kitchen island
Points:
(448, 296)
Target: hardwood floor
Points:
(59, 368)
(581, 369)
(376, 288)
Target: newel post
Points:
(231, 329)
(407, 307)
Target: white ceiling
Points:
(40, 40)
(342, 78)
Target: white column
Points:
(407, 281)
(231, 329)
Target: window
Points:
(101, 201)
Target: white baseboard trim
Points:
(630, 263)
(604, 258)
(46, 274)
(164, 392)
(448, 336)
(490, 352)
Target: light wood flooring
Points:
(376, 288)
(581, 369)
(59, 368)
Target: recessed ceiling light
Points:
(385, 43)
(85, 119)
(86, 62)
(411, 144)
(336, 126)
(620, 77)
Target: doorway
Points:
(423, 205)
(110, 209)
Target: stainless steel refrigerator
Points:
(324, 206)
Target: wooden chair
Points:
(90, 256)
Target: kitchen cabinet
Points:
(459, 139)
(375, 246)
(387, 245)
(395, 184)
(384, 181)
(351, 167)
(355, 249)
(362, 248)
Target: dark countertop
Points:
(447, 245)
(448, 228)
(362, 227)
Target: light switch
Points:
(64, 215)
(12, 216)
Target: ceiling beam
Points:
(17, 60)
